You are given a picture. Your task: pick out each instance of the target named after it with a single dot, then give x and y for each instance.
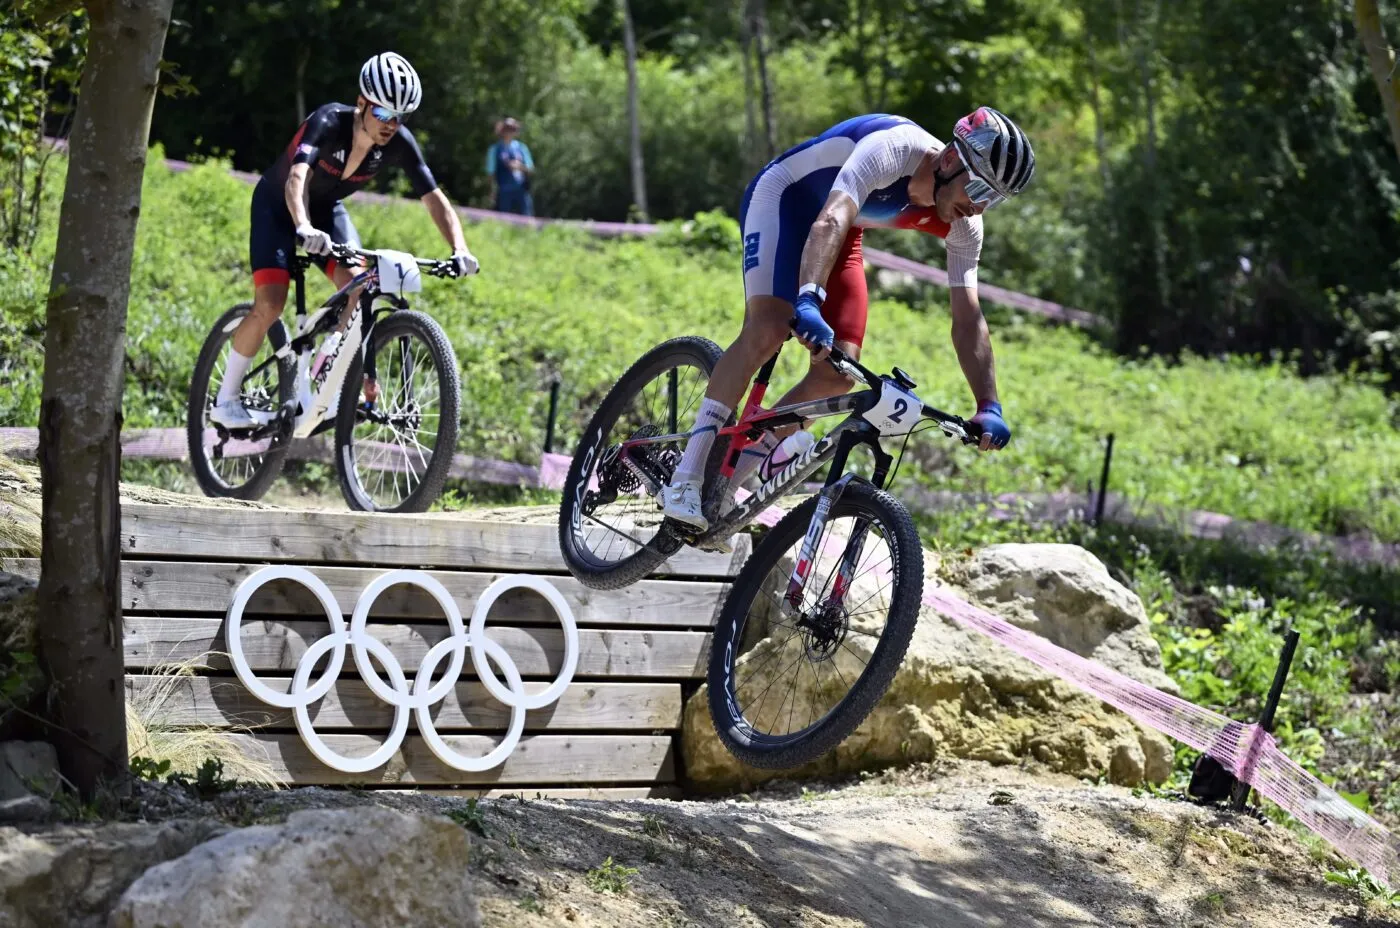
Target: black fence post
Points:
(1103, 482)
(553, 412)
(1240, 795)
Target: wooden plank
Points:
(277, 645)
(176, 587)
(223, 702)
(363, 538)
(538, 759)
(530, 793)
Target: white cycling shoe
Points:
(682, 503)
(234, 415)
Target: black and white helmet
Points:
(389, 80)
(996, 150)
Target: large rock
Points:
(323, 867)
(72, 876)
(958, 693)
(1064, 594)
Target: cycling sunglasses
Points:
(979, 191)
(384, 114)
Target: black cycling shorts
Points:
(272, 237)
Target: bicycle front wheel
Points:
(791, 675)
(393, 455)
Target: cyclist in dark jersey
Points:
(338, 150)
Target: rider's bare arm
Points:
(824, 241)
(970, 336)
(295, 194)
(974, 345)
(445, 218)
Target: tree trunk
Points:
(750, 120)
(760, 31)
(1372, 32)
(1100, 146)
(303, 58)
(634, 117)
(1146, 50)
(862, 62)
(80, 630)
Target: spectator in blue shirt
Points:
(509, 165)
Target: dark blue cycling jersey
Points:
(324, 142)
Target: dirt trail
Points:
(971, 846)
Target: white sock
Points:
(233, 377)
(712, 417)
(752, 456)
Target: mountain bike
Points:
(831, 593)
(387, 382)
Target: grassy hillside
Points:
(1254, 442)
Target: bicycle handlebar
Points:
(358, 256)
(434, 268)
(970, 433)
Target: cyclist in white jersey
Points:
(802, 218)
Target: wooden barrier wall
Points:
(612, 732)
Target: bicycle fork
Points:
(855, 545)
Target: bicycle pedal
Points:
(721, 544)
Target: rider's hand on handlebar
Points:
(313, 239)
(811, 329)
(995, 432)
(464, 264)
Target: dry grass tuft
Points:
(152, 732)
(20, 506)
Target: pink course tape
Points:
(1250, 753)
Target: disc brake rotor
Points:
(824, 630)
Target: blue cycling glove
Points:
(807, 321)
(989, 417)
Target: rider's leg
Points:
(845, 310)
(268, 300)
(822, 380)
(765, 327)
(775, 221)
(271, 243)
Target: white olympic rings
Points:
(397, 693)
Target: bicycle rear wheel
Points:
(611, 530)
(394, 456)
(788, 684)
(230, 464)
